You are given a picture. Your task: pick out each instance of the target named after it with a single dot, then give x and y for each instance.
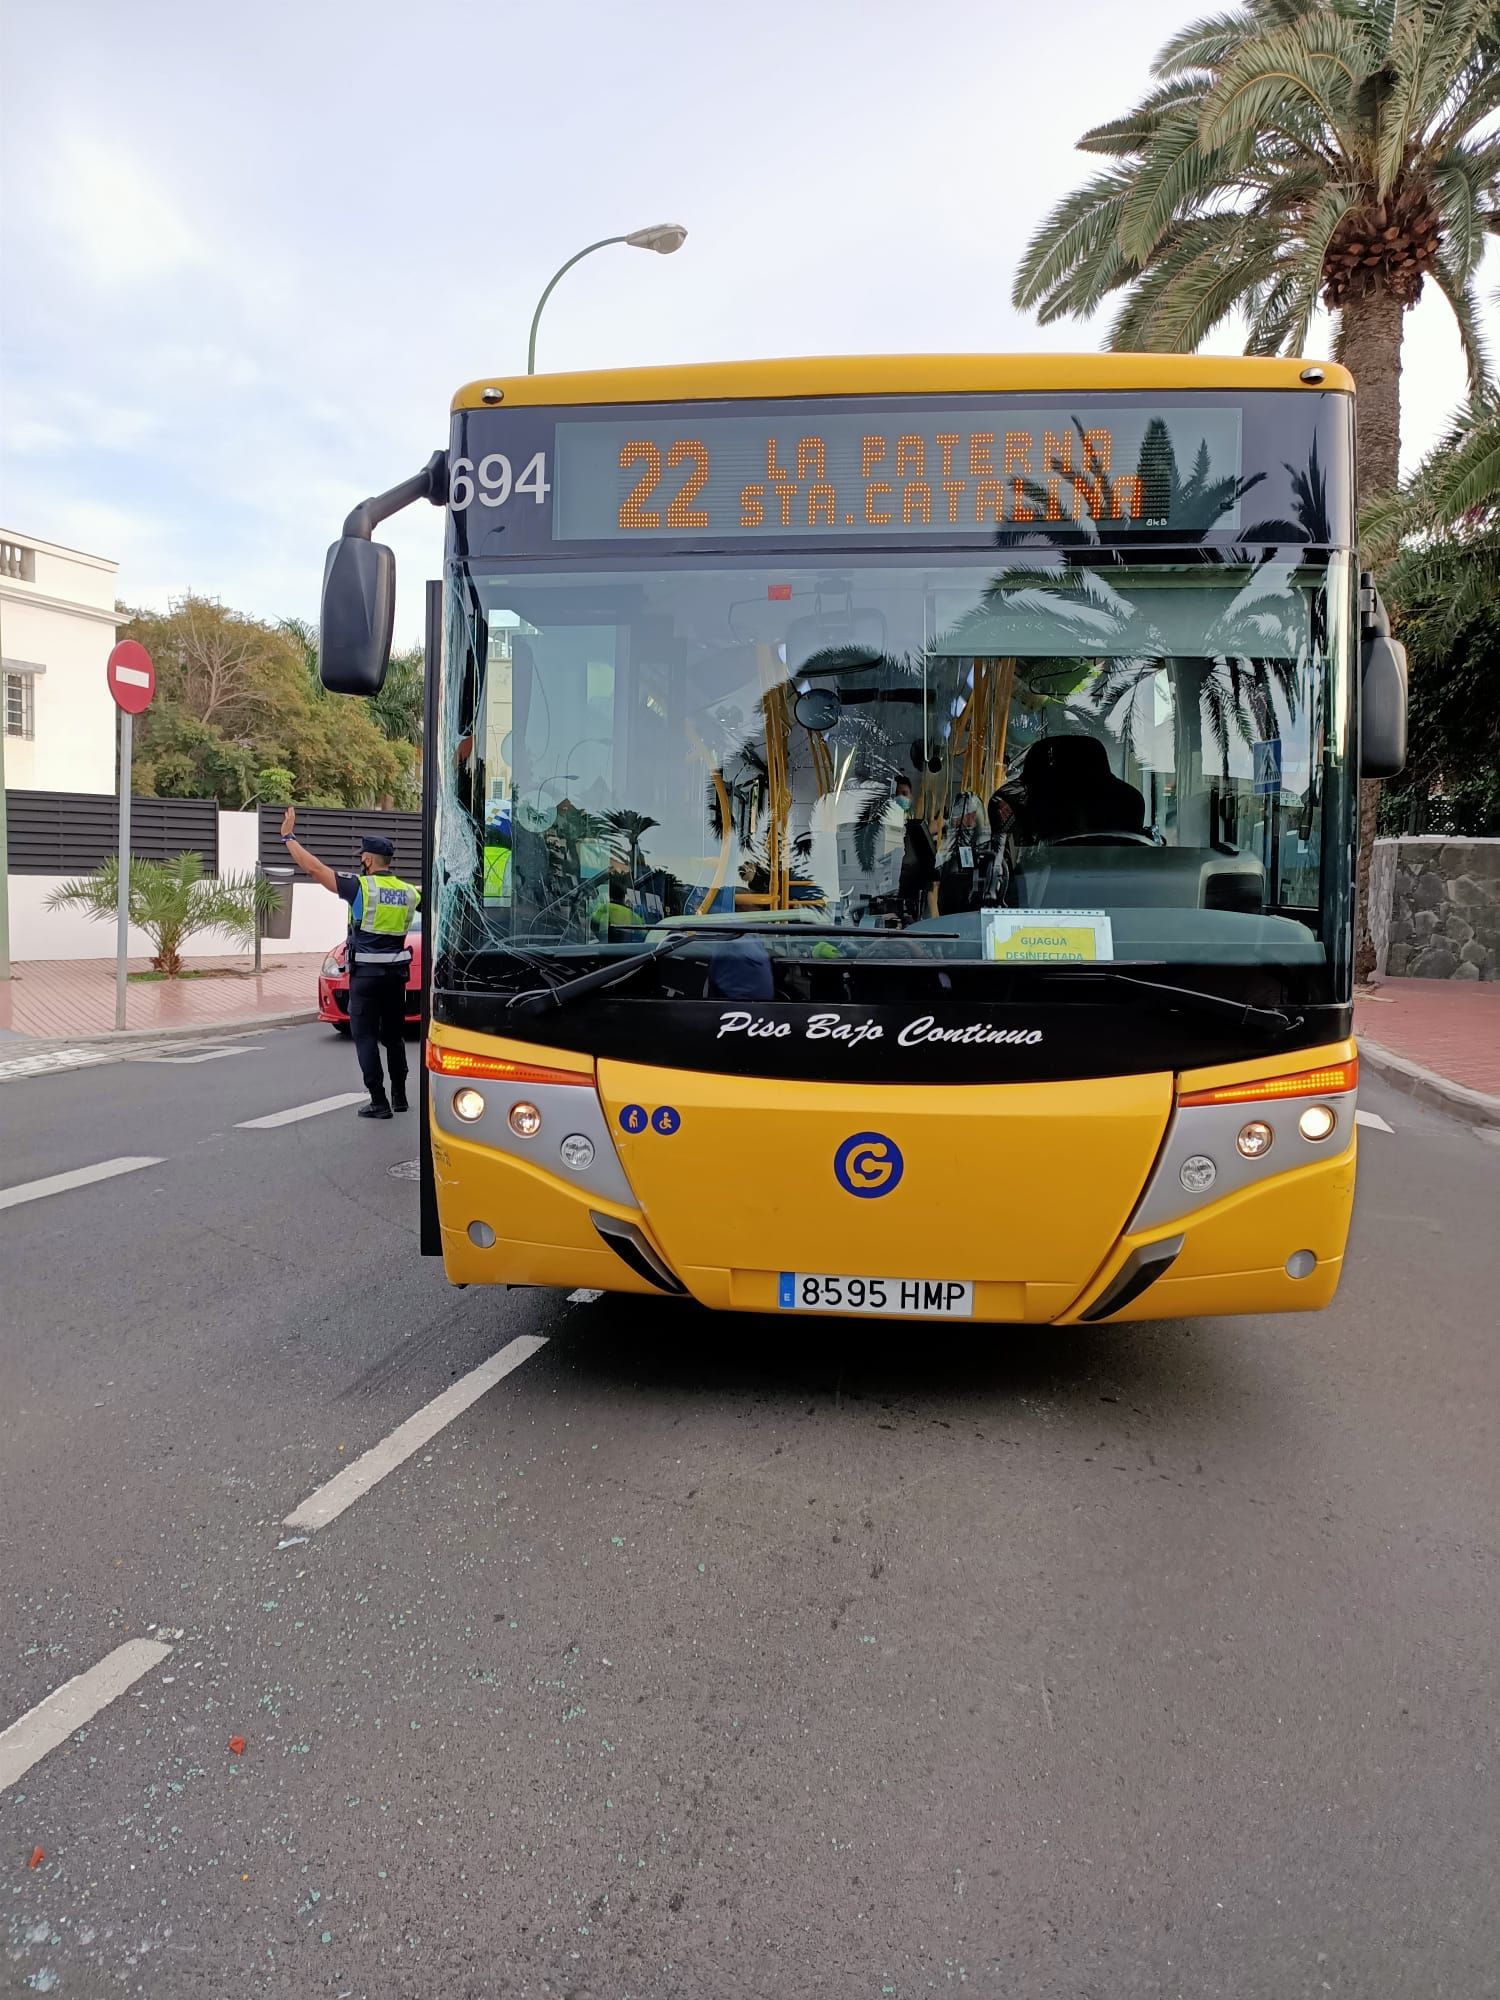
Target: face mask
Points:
(905, 804)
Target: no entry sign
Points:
(131, 677)
(132, 682)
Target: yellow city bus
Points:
(892, 831)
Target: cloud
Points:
(115, 222)
(32, 430)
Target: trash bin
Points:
(277, 921)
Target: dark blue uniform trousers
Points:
(377, 1017)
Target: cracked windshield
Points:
(1049, 762)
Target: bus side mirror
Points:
(359, 615)
(1382, 720)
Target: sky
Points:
(248, 254)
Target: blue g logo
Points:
(869, 1164)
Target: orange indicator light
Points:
(463, 1062)
(1324, 1082)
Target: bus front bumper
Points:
(1039, 1196)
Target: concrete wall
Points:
(1435, 908)
(318, 917)
(57, 626)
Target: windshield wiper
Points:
(1269, 1018)
(538, 997)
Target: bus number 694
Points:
(492, 483)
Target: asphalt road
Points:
(708, 1656)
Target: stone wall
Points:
(1435, 908)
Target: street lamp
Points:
(662, 237)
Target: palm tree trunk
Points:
(1369, 345)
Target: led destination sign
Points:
(897, 473)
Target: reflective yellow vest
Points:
(496, 872)
(386, 906)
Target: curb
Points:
(1475, 1107)
(198, 1030)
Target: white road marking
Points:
(76, 1702)
(583, 1296)
(207, 1055)
(329, 1501)
(47, 1062)
(105, 1170)
(299, 1111)
(1373, 1120)
(50, 1060)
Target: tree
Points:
(277, 786)
(398, 710)
(1451, 783)
(234, 698)
(1436, 539)
(1436, 544)
(171, 901)
(1292, 152)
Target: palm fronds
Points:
(1286, 150)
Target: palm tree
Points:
(1436, 538)
(305, 636)
(1290, 152)
(1223, 680)
(1230, 680)
(626, 830)
(171, 901)
(399, 706)
(1194, 505)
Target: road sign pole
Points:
(122, 907)
(132, 682)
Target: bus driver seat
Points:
(1070, 790)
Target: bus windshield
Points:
(1008, 759)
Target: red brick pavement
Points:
(1448, 1025)
(68, 999)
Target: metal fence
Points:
(72, 833)
(1470, 814)
(333, 834)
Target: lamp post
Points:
(662, 237)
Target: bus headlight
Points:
(1254, 1139)
(1197, 1173)
(525, 1120)
(1316, 1122)
(468, 1105)
(577, 1152)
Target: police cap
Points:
(376, 843)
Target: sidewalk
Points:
(1439, 1039)
(74, 999)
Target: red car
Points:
(333, 983)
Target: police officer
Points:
(379, 959)
(498, 839)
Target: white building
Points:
(57, 626)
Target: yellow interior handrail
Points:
(726, 818)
